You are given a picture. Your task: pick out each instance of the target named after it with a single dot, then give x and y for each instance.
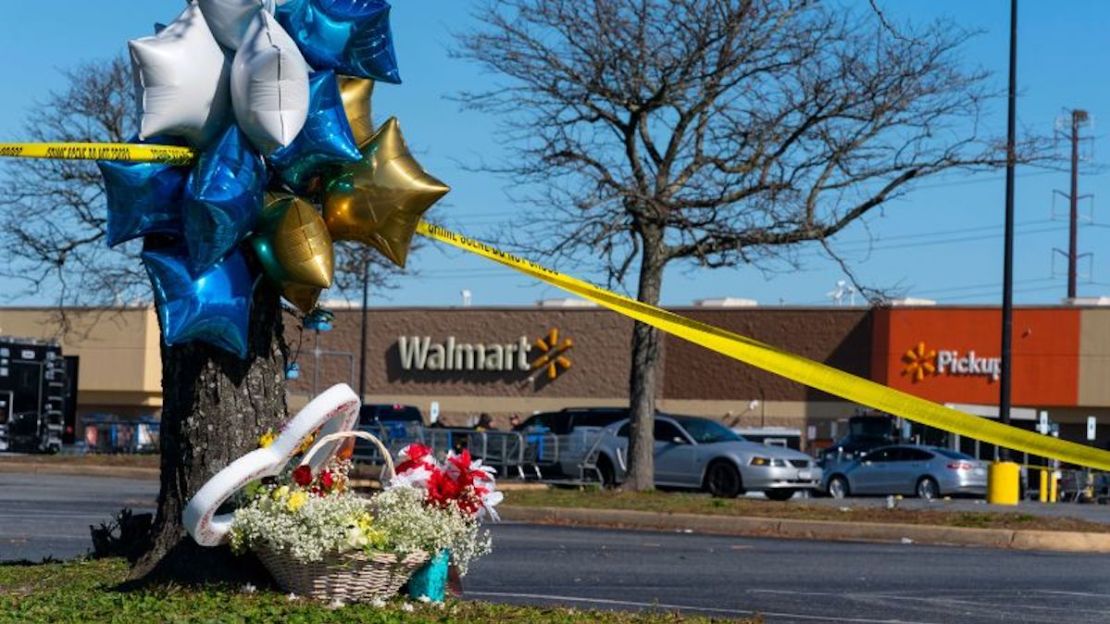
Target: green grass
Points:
(85, 591)
(682, 502)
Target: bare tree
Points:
(53, 236)
(714, 133)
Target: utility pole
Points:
(1078, 117)
(1008, 251)
(362, 347)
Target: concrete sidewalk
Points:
(1059, 541)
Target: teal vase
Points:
(430, 581)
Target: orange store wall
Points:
(1045, 352)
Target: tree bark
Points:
(646, 345)
(215, 407)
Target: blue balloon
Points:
(351, 37)
(213, 307)
(223, 199)
(326, 139)
(143, 198)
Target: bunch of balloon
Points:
(275, 98)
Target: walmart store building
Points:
(505, 360)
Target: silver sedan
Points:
(698, 453)
(924, 471)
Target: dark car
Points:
(563, 456)
(390, 421)
(865, 433)
(381, 413)
(568, 419)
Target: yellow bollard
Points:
(1052, 493)
(1003, 479)
(1042, 492)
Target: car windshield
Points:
(950, 454)
(708, 431)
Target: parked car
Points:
(924, 471)
(566, 420)
(373, 414)
(866, 432)
(393, 421)
(577, 428)
(698, 453)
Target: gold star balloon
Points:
(304, 297)
(380, 200)
(356, 93)
(293, 244)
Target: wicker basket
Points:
(348, 577)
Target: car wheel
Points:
(606, 473)
(780, 494)
(838, 487)
(927, 488)
(723, 480)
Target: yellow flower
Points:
(306, 444)
(281, 492)
(296, 500)
(267, 438)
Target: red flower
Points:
(416, 455)
(302, 476)
(327, 479)
(442, 490)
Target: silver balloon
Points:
(182, 81)
(269, 85)
(229, 19)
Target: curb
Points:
(1058, 541)
(122, 472)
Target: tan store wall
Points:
(119, 364)
(599, 356)
(1094, 357)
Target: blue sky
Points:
(942, 242)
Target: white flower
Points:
(249, 588)
(414, 477)
(407, 606)
(424, 599)
(377, 603)
(291, 597)
(336, 604)
(356, 539)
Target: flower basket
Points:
(347, 577)
(350, 577)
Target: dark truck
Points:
(33, 388)
(865, 432)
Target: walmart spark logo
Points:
(920, 361)
(553, 355)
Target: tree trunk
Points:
(215, 407)
(643, 377)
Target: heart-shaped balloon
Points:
(334, 410)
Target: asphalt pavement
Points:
(786, 581)
(45, 515)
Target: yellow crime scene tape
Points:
(130, 152)
(735, 346)
(791, 366)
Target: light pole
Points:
(1008, 248)
(362, 340)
